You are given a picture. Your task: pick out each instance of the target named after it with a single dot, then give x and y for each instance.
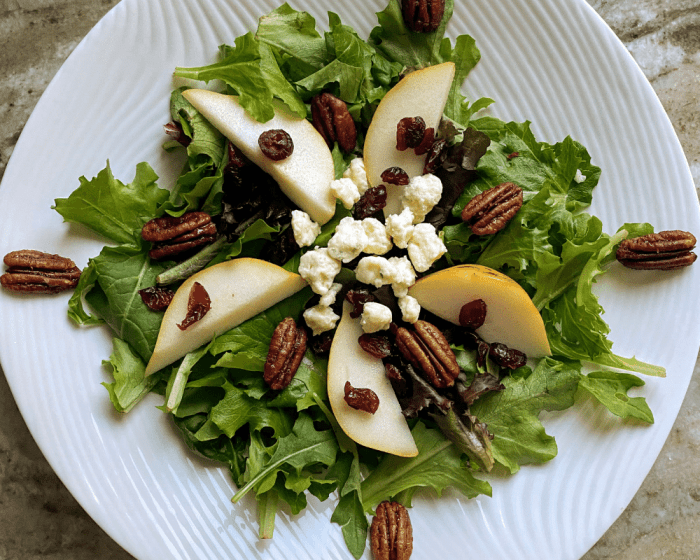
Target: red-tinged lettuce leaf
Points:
(512, 415)
(469, 435)
(438, 465)
(111, 208)
(610, 389)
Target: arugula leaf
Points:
(437, 466)
(130, 385)
(512, 414)
(304, 446)
(111, 208)
(350, 515)
(610, 389)
(76, 311)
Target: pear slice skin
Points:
(305, 176)
(511, 317)
(422, 93)
(385, 430)
(238, 289)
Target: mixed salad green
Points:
(283, 445)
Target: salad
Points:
(560, 252)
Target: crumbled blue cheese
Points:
(373, 270)
(320, 318)
(579, 177)
(425, 247)
(319, 269)
(305, 229)
(379, 241)
(410, 309)
(375, 317)
(346, 191)
(357, 174)
(400, 227)
(348, 241)
(421, 194)
(400, 275)
(329, 298)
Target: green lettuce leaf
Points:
(111, 208)
(610, 389)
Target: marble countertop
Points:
(40, 519)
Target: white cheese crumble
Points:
(400, 227)
(305, 229)
(400, 275)
(375, 317)
(319, 269)
(410, 309)
(421, 194)
(373, 270)
(379, 241)
(329, 298)
(320, 318)
(348, 241)
(425, 247)
(345, 191)
(356, 173)
(579, 177)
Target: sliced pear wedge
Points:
(385, 430)
(511, 317)
(238, 289)
(422, 93)
(305, 176)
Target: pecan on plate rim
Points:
(391, 532)
(32, 271)
(665, 250)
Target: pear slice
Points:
(422, 93)
(238, 289)
(511, 317)
(385, 430)
(305, 176)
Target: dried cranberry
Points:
(236, 159)
(157, 298)
(395, 176)
(507, 357)
(436, 156)
(377, 345)
(370, 203)
(473, 314)
(361, 399)
(276, 144)
(321, 343)
(513, 155)
(358, 298)
(198, 306)
(409, 133)
(426, 143)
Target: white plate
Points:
(553, 62)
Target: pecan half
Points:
(422, 16)
(330, 116)
(664, 250)
(428, 351)
(173, 235)
(362, 399)
(287, 349)
(491, 210)
(391, 533)
(33, 271)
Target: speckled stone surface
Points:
(39, 519)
